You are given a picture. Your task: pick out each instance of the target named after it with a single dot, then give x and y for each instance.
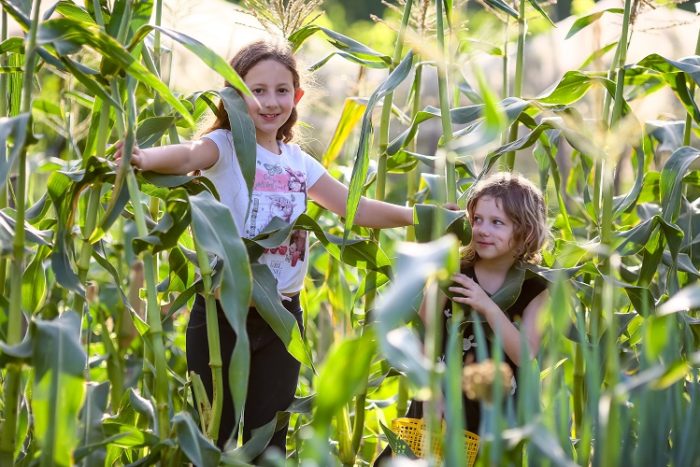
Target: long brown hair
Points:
(247, 58)
(524, 205)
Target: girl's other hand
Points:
(137, 155)
(468, 292)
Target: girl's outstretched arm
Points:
(470, 293)
(333, 195)
(174, 159)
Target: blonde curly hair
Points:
(524, 205)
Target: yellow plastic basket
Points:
(412, 430)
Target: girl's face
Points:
(492, 231)
(272, 84)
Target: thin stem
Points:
(691, 91)
(433, 339)
(386, 109)
(3, 113)
(518, 82)
(8, 436)
(160, 389)
(214, 343)
(414, 175)
(450, 172)
(380, 193)
(3, 62)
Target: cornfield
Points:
(99, 262)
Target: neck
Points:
(495, 266)
(271, 144)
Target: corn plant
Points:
(99, 262)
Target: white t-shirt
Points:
(281, 181)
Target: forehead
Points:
(490, 205)
(269, 71)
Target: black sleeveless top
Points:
(532, 287)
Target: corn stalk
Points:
(14, 326)
(380, 193)
(509, 162)
(3, 113)
(153, 314)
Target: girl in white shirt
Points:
(284, 176)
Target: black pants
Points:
(274, 373)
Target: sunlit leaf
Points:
(196, 447)
(58, 392)
(344, 373)
(267, 302)
(587, 20)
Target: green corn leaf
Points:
(363, 254)
(12, 45)
(62, 266)
(216, 233)
(359, 171)
(343, 43)
(173, 222)
(587, 20)
(405, 161)
(688, 65)
(152, 129)
(347, 56)
(20, 353)
(453, 222)
(14, 128)
(415, 264)
(542, 13)
(503, 6)
(73, 11)
(398, 446)
(95, 408)
(687, 298)
(201, 51)
(627, 201)
(111, 270)
(259, 439)
(571, 88)
(198, 449)
(671, 181)
(34, 282)
(243, 133)
(267, 302)
(7, 233)
(674, 373)
(59, 360)
(350, 116)
(343, 375)
(598, 54)
(57, 31)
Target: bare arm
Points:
(333, 195)
(176, 159)
(470, 293)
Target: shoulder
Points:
(294, 151)
(221, 137)
(533, 285)
(219, 133)
(301, 159)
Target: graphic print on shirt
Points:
(280, 192)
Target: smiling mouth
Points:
(269, 116)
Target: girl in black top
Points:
(508, 220)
